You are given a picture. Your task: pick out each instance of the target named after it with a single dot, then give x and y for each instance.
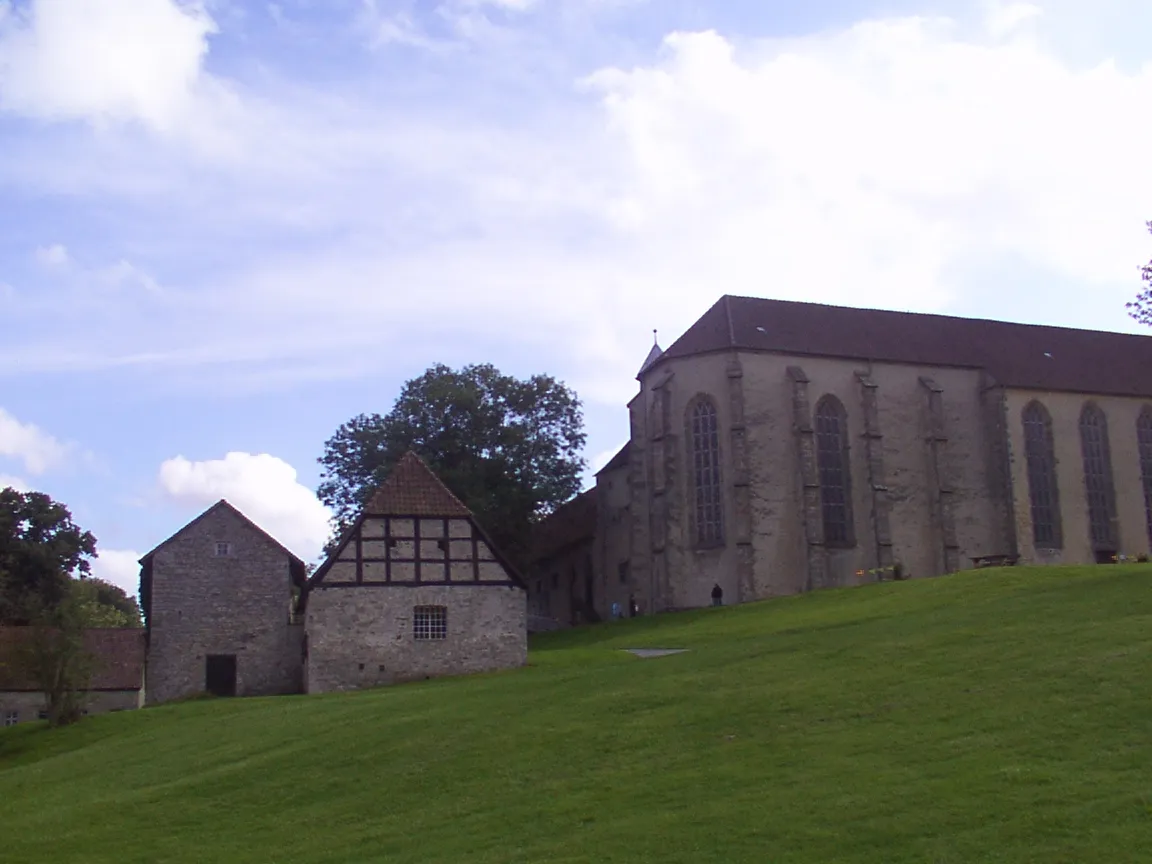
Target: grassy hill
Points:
(991, 716)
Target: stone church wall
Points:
(613, 550)
(918, 440)
(238, 604)
(363, 636)
(1064, 409)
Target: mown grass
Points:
(990, 716)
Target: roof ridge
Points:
(948, 317)
(399, 494)
(226, 504)
(727, 298)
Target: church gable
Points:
(414, 531)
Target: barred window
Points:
(1144, 439)
(223, 550)
(1043, 490)
(705, 442)
(11, 718)
(835, 472)
(1098, 478)
(430, 622)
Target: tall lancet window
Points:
(835, 472)
(1043, 490)
(1098, 478)
(1144, 439)
(704, 438)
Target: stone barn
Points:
(219, 601)
(414, 589)
(116, 682)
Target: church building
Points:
(779, 447)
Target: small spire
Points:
(655, 341)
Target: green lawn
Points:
(991, 716)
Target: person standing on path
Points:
(717, 595)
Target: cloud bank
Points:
(261, 486)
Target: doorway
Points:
(220, 674)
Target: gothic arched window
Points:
(1098, 478)
(704, 440)
(1043, 490)
(1144, 439)
(835, 473)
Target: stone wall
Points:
(564, 586)
(613, 557)
(924, 491)
(1064, 409)
(362, 636)
(29, 705)
(204, 604)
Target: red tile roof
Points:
(412, 489)
(119, 659)
(1027, 356)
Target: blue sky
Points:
(227, 227)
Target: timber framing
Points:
(428, 569)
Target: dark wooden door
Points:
(220, 674)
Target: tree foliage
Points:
(41, 549)
(105, 605)
(1141, 307)
(57, 658)
(508, 448)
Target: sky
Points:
(228, 227)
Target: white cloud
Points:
(1004, 18)
(54, 256)
(9, 482)
(29, 444)
(104, 60)
(262, 487)
(121, 567)
(875, 165)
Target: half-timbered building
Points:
(414, 589)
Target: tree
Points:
(1141, 307)
(508, 448)
(57, 659)
(41, 549)
(104, 604)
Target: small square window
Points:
(223, 550)
(11, 718)
(42, 714)
(430, 622)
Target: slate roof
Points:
(573, 522)
(119, 661)
(412, 489)
(1026, 356)
(620, 460)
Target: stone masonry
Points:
(935, 475)
(413, 590)
(221, 587)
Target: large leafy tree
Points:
(1141, 307)
(103, 604)
(41, 550)
(508, 448)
